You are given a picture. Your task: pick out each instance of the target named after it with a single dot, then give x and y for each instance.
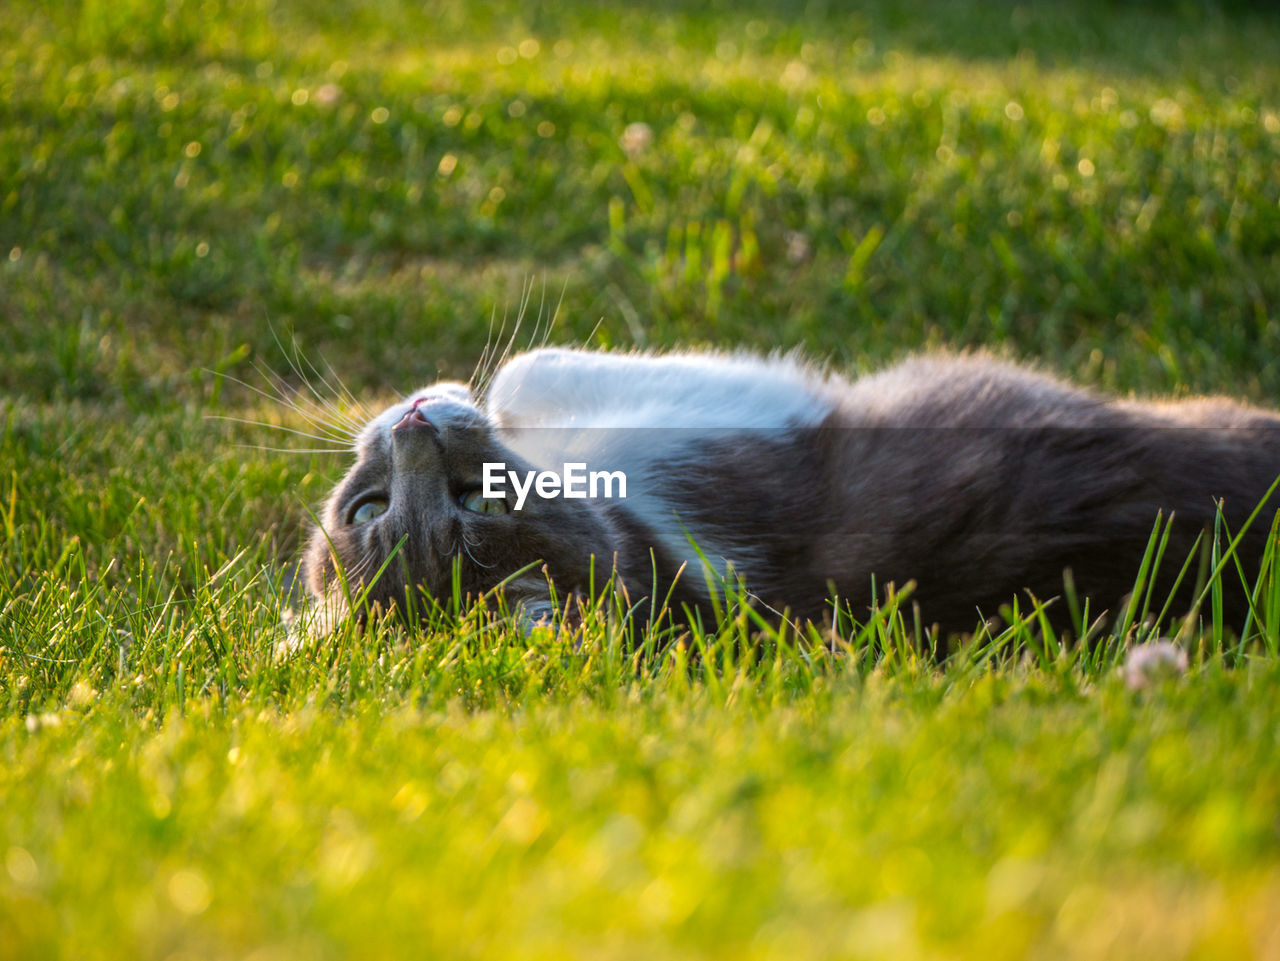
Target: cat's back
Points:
(971, 390)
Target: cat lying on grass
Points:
(972, 478)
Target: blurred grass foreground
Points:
(193, 190)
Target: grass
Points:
(183, 185)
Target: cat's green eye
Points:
(369, 510)
(475, 501)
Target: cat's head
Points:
(409, 518)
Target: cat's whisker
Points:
(522, 309)
(315, 420)
(491, 359)
(326, 407)
(526, 298)
(320, 415)
(511, 341)
(497, 360)
(551, 318)
(274, 398)
(362, 566)
(350, 398)
(591, 336)
(466, 547)
(369, 562)
(782, 619)
(295, 359)
(295, 450)
(319, 434)
(555, 314)
(354, 573)
(336, 386)
(282, 395)
(332, 438)
(481, 373)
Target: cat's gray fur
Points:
(975, 478)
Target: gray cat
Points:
(976, 479)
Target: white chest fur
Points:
(640, 414)
(569, 388)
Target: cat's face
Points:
(415, 496)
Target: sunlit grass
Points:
(185, 187)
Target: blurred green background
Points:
(193, 188)
(1094, 184)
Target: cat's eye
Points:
(368, 510)
(475, 501)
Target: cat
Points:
(974, 479)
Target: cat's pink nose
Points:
(414, 418)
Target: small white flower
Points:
(327, 94)
(798, 247)
(1151, 663)
(636, 138)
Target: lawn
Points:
(195, 194)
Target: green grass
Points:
(184, 185)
